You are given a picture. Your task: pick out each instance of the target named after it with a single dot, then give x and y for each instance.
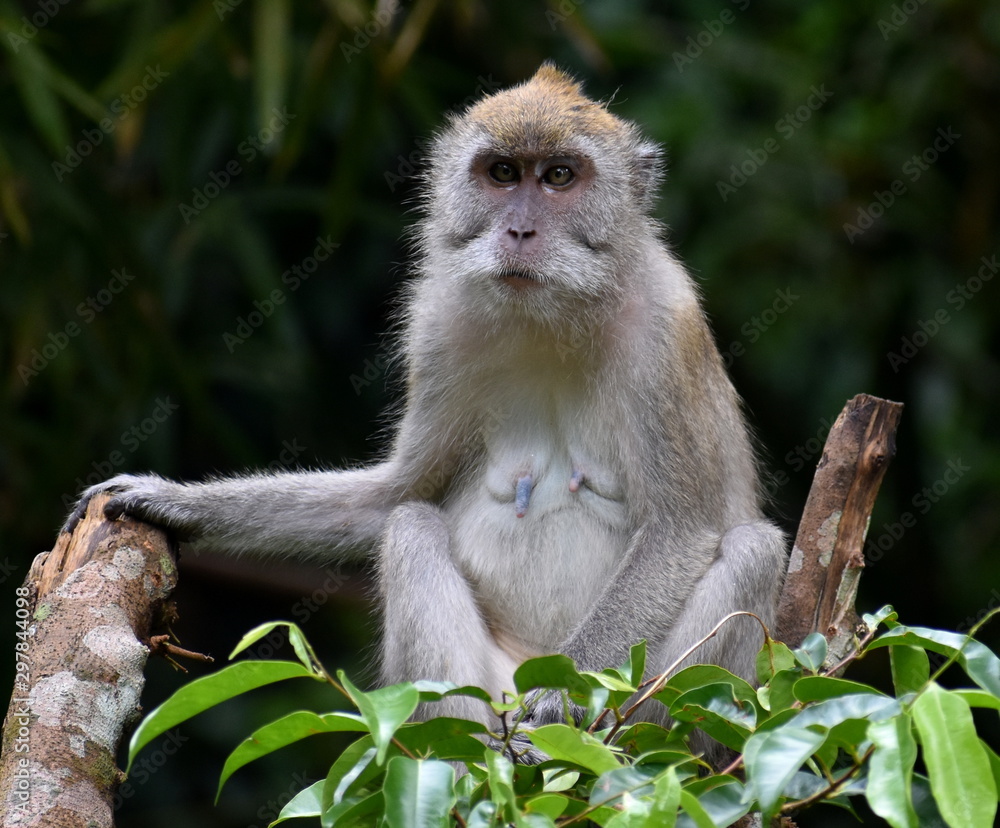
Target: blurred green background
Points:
(165, 167)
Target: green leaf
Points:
(201, 694)
(781, 691)
(832, 712)
(383, 710)
(772, 759)
(821, 688)
(882, 616)
(773, 658)
(437, 690)
(306, 803)
(645, 737)
(559, 779)
(419, 793)
(634, 669)
(812, 653)
(500, 773)
(994, 762)
(295, 637)
(351, 771)
(706, 675)
(444, 738)
(890, 774)
(567, 744)
(614, 784)
(959, 770)
(553, 671)
(666, 800)
(696, 813)
(724, 804)
(981, 664)
(979, 698)
(717, 711)
(354, 808)
(483, 815)
(911, 669)
(285, 731)
(551, 805)
(255, 635)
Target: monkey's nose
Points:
(518, 239)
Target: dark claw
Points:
(114, 508)
(76, 515)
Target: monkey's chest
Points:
(539, 527)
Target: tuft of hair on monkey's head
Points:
(537, 196)
(546, 112)
(549, 114)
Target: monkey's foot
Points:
(519, 750)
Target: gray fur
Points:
(588, 394)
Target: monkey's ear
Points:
(648, 172)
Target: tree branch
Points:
(827, 557)
(83, 613)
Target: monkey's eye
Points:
(558, 176)
(503, 173)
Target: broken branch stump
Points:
(828, 554)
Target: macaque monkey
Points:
(571, 472)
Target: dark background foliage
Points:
(164, 166)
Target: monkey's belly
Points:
(536, 576)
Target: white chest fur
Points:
(540, 523)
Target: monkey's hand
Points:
(146, 497)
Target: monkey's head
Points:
(537, 197)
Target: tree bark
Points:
(828, 555)
(83, 614)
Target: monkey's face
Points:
(536, 198)
(536, 231)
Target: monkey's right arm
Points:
(301, 514)
(307, 514)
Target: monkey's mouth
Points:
(518, 278)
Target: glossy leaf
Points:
(772, 758)
(772, 658)
(911, 669)
(285, 731)
(959, 771)
(352, 770)
(611, 786)
(981, 664)
(716, 710)
(820, 688)
(552, 671)
(578, 747)
(419, 793)
(355, 810)
(384, 710)
(832, 712)
(724, 804)
(306, 803)
(890, 772)
(204, 693)
(812, 653)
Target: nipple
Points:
(522, 493)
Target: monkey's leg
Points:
(433, 628)
(747, 574)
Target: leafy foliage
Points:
(803, 738)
